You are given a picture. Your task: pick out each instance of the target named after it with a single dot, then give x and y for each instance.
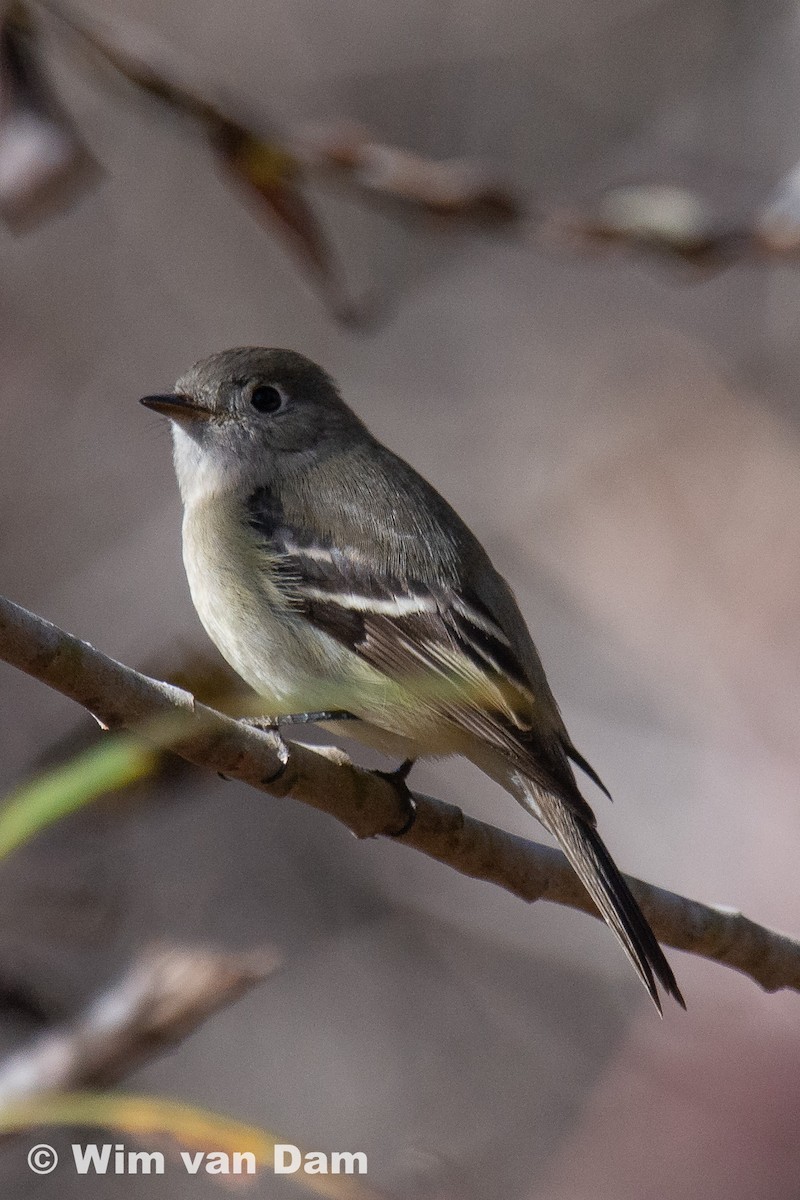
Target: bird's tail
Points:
(591, 861)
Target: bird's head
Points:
(235, 413)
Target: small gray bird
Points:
(337, 582)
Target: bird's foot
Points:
(397, 778)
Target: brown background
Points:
(627, 444)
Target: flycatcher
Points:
(335, 580)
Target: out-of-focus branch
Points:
(367, 803)
(163, 997)
(660, 219)
(166, 994)
(44, 163)
(453, 189)
(256, 161)
(459, 189)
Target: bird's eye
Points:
(266, 399)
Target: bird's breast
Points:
(234, 588)
(237, 602)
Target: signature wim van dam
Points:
(109, 1158)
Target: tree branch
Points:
(163, 996)
(366, 803)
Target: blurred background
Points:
(622, 430)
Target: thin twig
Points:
(165, 995)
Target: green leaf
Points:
(116, 762)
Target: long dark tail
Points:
(598, 873)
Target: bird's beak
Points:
(178, 407)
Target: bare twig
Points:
(166, 994)
(454, 189)
(44, 163)
(367, 803)
(660, 218)
(256, 161)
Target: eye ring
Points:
(266, 398)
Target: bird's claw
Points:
(397, 778)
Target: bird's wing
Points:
(443, 642)
(446, 646)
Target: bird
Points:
(340, 585)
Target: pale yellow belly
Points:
(291, 667)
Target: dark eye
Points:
(266, 399)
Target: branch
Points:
(664, 220)
(162, 997)
(367, 803)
